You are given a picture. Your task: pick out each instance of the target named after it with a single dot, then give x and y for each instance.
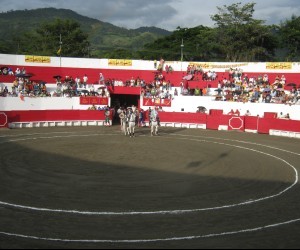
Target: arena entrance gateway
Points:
(124, 100)
(124, 97)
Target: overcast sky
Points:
(167, 14)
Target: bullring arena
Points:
(67, 181)
(94, 188)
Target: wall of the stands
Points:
(44, 68)
(22, 60)
(191, 103)
(180, 104)
(54, 118)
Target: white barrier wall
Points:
(185, 103)
(143, 65)
(44, 103)
(51, 103)
(190, 104)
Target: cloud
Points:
(125, 13)
(168, 14)
(135, 13)
(275, 13)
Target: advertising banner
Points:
(37, 59)
(280, 65)
(93, 100)
(152, 102)
(119, 62)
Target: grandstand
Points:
(46, 69)
(46, 73)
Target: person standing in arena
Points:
(142, 118)
(132, 118)
(123, 120)
(154, 119)
(107, 117)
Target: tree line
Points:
(237, 36)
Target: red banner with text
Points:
(152, 102)
(93, 100)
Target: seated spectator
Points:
(92, 108)
(132, 82)
(167, 69)
(237, 113)
(197, 91)
(175, 92)
(281, 116)
(4, 71)
(248, 113)
(231, 112)
(160, 109)
(10, 72)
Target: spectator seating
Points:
(46, 74)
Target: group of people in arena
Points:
(132, 117)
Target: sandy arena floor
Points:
(96, 188)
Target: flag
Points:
(59, 52)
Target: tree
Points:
(3, 47)
(240, 36)
(199, 44)
(46, 39)
(290, 35)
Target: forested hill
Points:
(102, 36)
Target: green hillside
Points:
(104, 37)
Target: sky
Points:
(166, 14)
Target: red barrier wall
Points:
(46, 74)
(54, 115)
(263, 125)
(3, 120)
(216, 112)
(267, 124)
(233, 122)
(251, 123)
(125, 90)
(270, 115)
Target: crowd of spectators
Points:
(196, 70)
(70, 87)
(256, 89)
(6, 71)
(158, 88)
(67, 87)
(238, 87)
